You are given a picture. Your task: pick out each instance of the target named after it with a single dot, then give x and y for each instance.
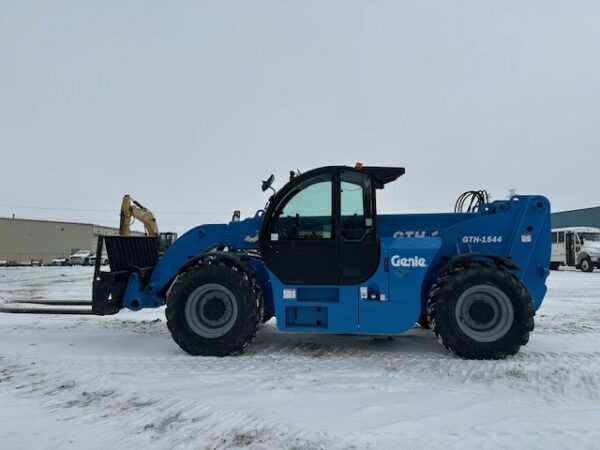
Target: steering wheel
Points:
(266, 184)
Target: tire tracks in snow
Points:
(152, 417)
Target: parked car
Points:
(81, 258)
(10, 263)
(60, 262)
(103, 259)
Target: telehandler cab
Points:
(321, 260)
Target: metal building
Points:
(24, 240)
(587, 217)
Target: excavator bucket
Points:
(126, 255)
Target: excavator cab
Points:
(165, 240)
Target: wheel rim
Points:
(484, 313)
(211, 310)
(585, 265)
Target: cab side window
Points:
(357, 218)
(561, 236)
(306, 213)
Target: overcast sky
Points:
(188, 105)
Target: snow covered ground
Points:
(121, 382)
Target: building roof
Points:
(585, 217)
(591, 208)
(58, 222)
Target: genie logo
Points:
(415, 261)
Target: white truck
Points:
(576, 246)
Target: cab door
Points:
(301, 245)
(570, 248)
(577, 244)
(359, 243)
(322, 229)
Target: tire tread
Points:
(248, 322)
(448, 284)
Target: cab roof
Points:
(383, 175)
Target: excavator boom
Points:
(133, 209)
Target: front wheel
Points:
(266, 317)
(423, 321)
(480, 312)
(586, 265)
(214, 310)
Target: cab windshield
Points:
(589, 237)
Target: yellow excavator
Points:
(131, 210)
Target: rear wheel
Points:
(480, 312)
(424, 321)
(554, 266)
(214, 310)
(586, 265)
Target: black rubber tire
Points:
(441, 310)
(554, 266)
(586, 265)
(248, 297)
(424, 321)
(267, 316)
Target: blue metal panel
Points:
(310, 313)
(408, 261)
(418, 225)
(242, 235)
(387, 303)
(518, 229)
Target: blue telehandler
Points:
(320, 259)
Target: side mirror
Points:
(267, 184)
